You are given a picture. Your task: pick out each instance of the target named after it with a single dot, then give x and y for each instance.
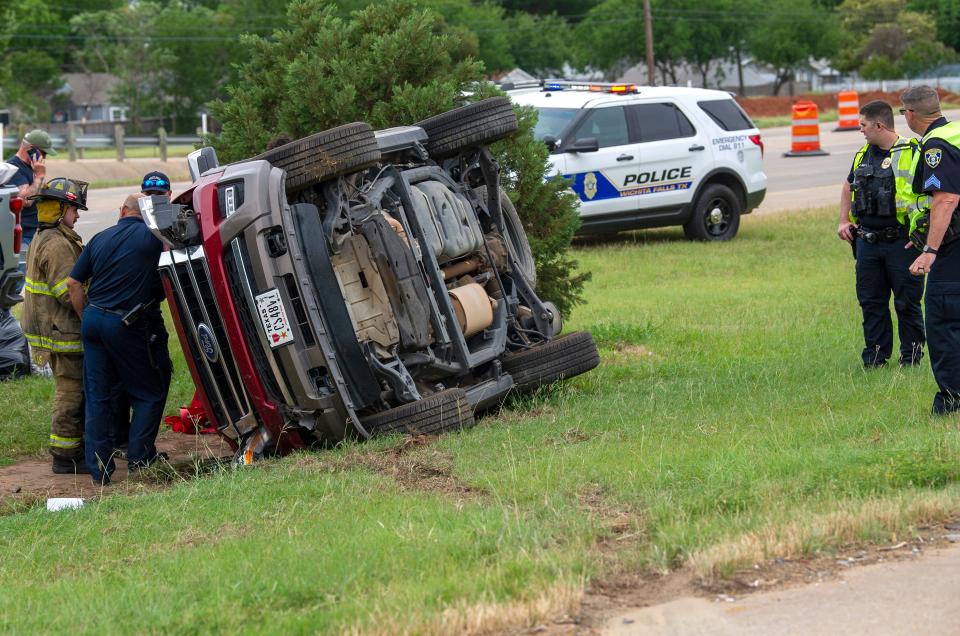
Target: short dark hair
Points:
(878, 110)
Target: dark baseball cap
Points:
(155, 183)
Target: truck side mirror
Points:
(199, 161)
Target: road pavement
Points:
(888, 599)
(104, 204)
(798, 183)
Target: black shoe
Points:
(67, 466)
(134, 467)
(874, 365)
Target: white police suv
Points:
(642, 157)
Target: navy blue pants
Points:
(118, 356)
(943, 326)
(882, 269)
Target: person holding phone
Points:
(30, 160)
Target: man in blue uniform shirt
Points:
(937, 173)
(124, 341)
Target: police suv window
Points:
(662, 121)
(553, 121)
(608, 125)
(727, 113)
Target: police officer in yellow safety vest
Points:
(876, 207)
(937, 173)
(50, 323)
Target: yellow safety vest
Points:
(950, 133)
(903, 157)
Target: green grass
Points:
(136, 152)
(730, 421)
(785, 120)
(26, 403)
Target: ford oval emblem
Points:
(208, 344)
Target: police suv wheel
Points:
(716, 215)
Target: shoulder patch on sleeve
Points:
(932, 157)
(932, 183)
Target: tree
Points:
(612, 45)
(889, 40)
(117, 42)
(947, 18)
(200, 46)
(388, 64)
(540, 44)
(789, 35)
(566, 8)
(33, 51)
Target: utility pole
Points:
(648, 37)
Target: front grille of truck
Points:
(189, 278)
(243, 289)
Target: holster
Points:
(919, 236)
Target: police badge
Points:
(932, 157)
(886, 163)
(590, 185)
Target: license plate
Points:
(274, 318)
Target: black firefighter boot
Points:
(68, 466)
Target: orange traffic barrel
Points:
(848, 111)
(806, 131)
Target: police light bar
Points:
(593, 87)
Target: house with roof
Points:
(89, 98)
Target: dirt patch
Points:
(782, 105)
(31, 480)
(416, 466)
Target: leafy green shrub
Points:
(390, 64)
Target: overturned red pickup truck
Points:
(355, 283)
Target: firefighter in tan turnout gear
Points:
(51, 325)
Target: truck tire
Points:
(516, 236)
(563, 357)
(324, 155)
(716, 215)
(438, 413)
(476, 124)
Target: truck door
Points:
(674, 156)
(598, 175)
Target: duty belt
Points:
(119, 312)
(883, 235)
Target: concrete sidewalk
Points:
(887, 599)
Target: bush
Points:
(390, 64)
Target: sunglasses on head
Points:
(156, 182)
